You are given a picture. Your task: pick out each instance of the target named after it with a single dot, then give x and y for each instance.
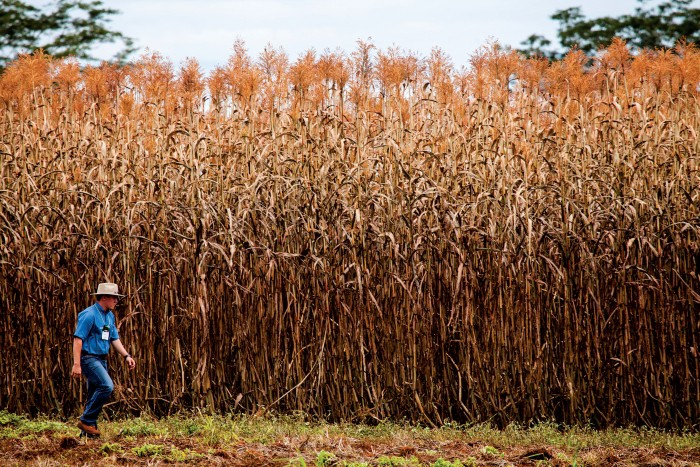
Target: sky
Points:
(207, 29)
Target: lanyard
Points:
(104, 317)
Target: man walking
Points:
(95, 332)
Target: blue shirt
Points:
(91, 321)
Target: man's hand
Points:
(77, 371)
(117, 344)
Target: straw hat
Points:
(108, 288)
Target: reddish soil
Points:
(61, 450)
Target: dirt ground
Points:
(59, 449)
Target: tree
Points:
(661, 26)
(61, 29)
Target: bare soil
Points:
(54, 449)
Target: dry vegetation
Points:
(364, 236)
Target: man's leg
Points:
(100, 387)
(90, 391)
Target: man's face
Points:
(109, 302)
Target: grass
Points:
(20, 426)
(295, 440)
(148, 450)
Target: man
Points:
(95, 332)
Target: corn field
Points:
(360, 236)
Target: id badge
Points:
(105, 333)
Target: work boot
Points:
(90, 431)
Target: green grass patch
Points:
(111, 448)
(148, 450)
(20, 426)
(11, 420)
(456, 463)
(141, 427)
(325, 458)
(395, 461)
(183, 455)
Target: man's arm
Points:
(117, 344)
(77, 348)
(82, 331)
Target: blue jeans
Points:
(99, 387)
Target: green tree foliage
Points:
(654, 27)
(61, 28)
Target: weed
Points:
(395, 461)
(19, 426)
(216, 430)
(445, 463)
(148, 450)
(491, 451)
(324, 458)
(140, 427)
(455, 463)
(185, 426)
(10, 419)
(111, 448)
(179, 455)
